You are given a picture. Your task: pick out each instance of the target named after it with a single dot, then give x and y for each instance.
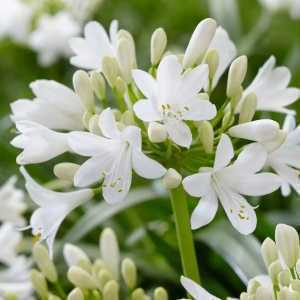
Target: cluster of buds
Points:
(105, 278)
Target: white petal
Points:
(259, 130)
(224, 153)
(289, 123)
(179, 133)
(145, 82)
(199, 110)
(205, 211)
(108, 124)
(145, 111)
(145, 166)
(198, 185)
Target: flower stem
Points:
(184, 234)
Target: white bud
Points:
(54, 297)
(65, 170)
(83, 89)
(111, 291)
(121, 86)
(274, 269)
(98, 84)
(212, 60)
(253, 285)
(159, 42)
(111, 70)
(236, 75)
(264, 293)
(81, 278)
(248, 108)
(76, 294)
(110, 253)
(269, 251)
(74, 255)
(86, 119)
(172, 179)
(157, 132)
(287, 241)
(234, 101)
(284, 294)
(128, 118)
(199, 42)
(295, 284)
(138, 294)
(39, 283)
(244, 296)
(126, 57)
(45, 264)
(160, 294)
(129, 272)
(206, 135)
(94, 125)
(284, 278)
(104, 276)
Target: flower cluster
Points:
(106, 278)
(45, 26)
(164, 123)
(282, 259)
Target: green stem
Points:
(60, 290)
(184, 234)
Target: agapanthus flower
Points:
(228, 183)
(113, 156)
(172, 98)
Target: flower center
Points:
(173, 111)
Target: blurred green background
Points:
(146, 230)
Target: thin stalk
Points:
(184, 234)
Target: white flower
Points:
(282, 147)
(39, 143)
(55, 106)
(112, 157)
(228, 182)
(15, 19)
(271, 88)
(173, 98)
(195, 290)
(12, 203)
(95, 45)
(53, 208)
(50, 38)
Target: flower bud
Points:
(248, 108)
(45, 264)
(120, 86)
(199, 42)
(83, 89)
(269, 251)
(236, 75)
(81, 278)
(284, 294)
(97, 267)
(138, 294)
(104, 276)
(157, 132)
(54, 297)
(228, 119)
(253, 285)
(129, 272)
(65, 170)
(39, 283)
(287, 241)
(274, 269)
(212, 60)
(160, 294)
(94, 125)
(295, 284)
(124, 34)
(111, 291)
(86, 119)
(110, 253)
(126, 57)
(234, 101)
(128, 118)
(284, 278)
(159, 42)
(206, 135)
(244, 296)
(172, 179)
(111, 70)
(74, 255)
(76, 294)
(264, 293)
(98, 84)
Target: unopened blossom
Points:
(282, 148)
(172, 98)
(12, 203)
(271, 86)
(53, 207)
(228, 183)
(55, 106)
(113, 156)
(50, 38)
(96, 44)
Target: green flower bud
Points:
(54, 297)
(65, 171)
(111, 291)
(86, 119)
(138, 294)
(97, 267)
(172, 179)
(128, 118)
(94, 125)
(284, 278)
(295, 284)
(269, 251)
(39, 283)
(81, 278)
(96, 295)
(264, 293)
(111, 70)
(248, 108)
(234, 101)
(129, 272)
(120, 86)
(76, 294)
(160, 294)
(157, 132)
(253, 285)
(206, 135)
(104, 276)
(274, 269)
(45, 264)
(212, 60)
(98, 84)
(159, 42)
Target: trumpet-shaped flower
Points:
(113, 157)
(95, 45)
(271, 88)
(53, 207)
(228, 183)
(282, 148)
(173, 98)
(12, 203)
(39, 143)
(55, 106)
